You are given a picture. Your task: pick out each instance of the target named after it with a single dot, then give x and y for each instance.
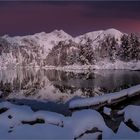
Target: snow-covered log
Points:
(106, 99)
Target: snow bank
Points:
(21, 122)
(86, 120)
(132, 65)
(101, 65)
(105, 99)
(131, 113)
(24, 113)
(125, 132)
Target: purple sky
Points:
(21, 18)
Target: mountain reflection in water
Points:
(61, 86)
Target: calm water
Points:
(60, 86)
(34, 86)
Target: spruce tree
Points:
(135, 47)
(125, 49)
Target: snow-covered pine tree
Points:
(135, 47)
(108, 48)
(90, 56)
(86, 53)
(125, 49)
(113, 51)
(72, 53)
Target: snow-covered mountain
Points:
(30, 49)
(45, 40)
(95, 36)
(61, 49)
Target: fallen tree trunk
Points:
(107, 99)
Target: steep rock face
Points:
(60, 49)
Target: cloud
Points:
(19, 18)
(117, 9)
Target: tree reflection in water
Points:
(60, 86)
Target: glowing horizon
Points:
(75, 18)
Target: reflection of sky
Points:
(73, 17)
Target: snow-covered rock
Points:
(21, 122)
(125, 132)
(107, 111)
(131, 113)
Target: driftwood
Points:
(107, 99)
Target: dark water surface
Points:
(60, 86)
(34, 86)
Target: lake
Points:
(61, 86)
(46, 89)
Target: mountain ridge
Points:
(113, 30)
(58, 48)
(60, 35)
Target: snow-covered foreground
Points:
(132, 119)
(105, 99)
(21, 122)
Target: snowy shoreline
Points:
(101, 65)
